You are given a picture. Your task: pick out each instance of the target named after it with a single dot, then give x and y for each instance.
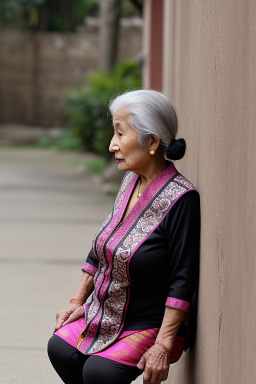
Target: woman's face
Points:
(129, 154)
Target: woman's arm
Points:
(156, 361)
(169, 328)
(85, 287)
(83, 291)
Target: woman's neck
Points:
(151, 173)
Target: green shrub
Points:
(86, 109)
(45, 142)
(95, 166)
(46, 15)
(68, 142)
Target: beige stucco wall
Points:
(210, 74)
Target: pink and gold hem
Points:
(128, 348)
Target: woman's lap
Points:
(100, 370)
(127, 349)
(74, 367)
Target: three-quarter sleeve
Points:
(182, 231)
(91, 264)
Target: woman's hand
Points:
(156, 360)
(64, 316)
(77, 314)
(155, 363)
(83, 291)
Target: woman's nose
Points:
(113, 147)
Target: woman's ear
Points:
(153, 142)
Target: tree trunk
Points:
(109, 26)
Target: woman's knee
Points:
(65, 360)
(58, 350)
(52, 347)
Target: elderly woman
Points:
(142, 269)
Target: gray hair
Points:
(150, 113)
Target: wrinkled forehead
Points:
(121, 115)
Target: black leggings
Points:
(75, 368)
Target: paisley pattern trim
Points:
(177, 303)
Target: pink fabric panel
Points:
(71, 332)
(130, 349)
(127, 333)
(89, 268)
(177, 303)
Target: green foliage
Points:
(86, 111)
(86, 7)
(53, 15)
(128, 9)
(47, 15)
(112, 191)
(45, 142)
(11, 8)
(96, 166)
(68, 142)
(16, 12)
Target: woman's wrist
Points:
(76, 300)
(167, 350)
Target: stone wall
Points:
(209, 73)
(37, 70)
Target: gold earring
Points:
(152, 152)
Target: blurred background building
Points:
(202, 55)
(49, 47)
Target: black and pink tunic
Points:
(144, 263)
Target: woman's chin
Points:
(122, 166)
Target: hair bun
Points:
(176, 149)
